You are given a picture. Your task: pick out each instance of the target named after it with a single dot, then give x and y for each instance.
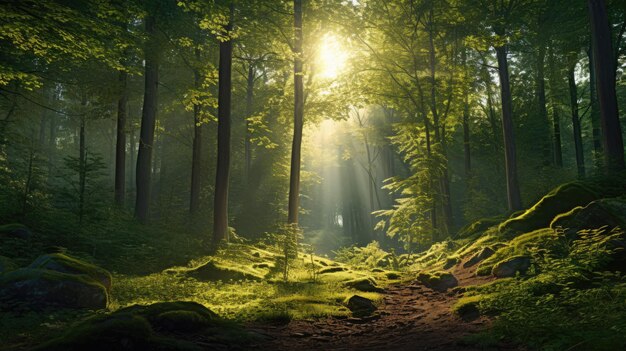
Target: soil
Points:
(409, 317)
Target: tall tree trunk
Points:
(578, 139)
(595, 113)
(120, 144)
(556, 119)
(605, 83)
(541, 104)
(220, 208)
(249, 107)
(133, 151)
(148, 121)
(298, 117)
(82, 169)
(466, 113)
(510, 157)
(196, 153)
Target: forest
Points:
(312, 174)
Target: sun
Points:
(331, 58)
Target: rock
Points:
(7, 265)
(65, 264)
(256, 254)
(42, 288)
(479, 226)
(393, 275)
(263, 265)
(175, 326)
(597, 214)
(439, 281)
(15, 230)
(485, 253)
(509, 267)
(332, 270)
(363, 284)
(561, 199)
(451, 262)
(360, 306)
(211, 271)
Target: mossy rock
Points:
(483, 254)
(438, 281)
(597, 214)
(332, 270)
(360, 306)
(66, 264)
(450, 262)
(560, 200)
(211, 271)
(479, 226)
(512, 266)
(15, 230)
(393, 275)
(7, 265)
(179, 316)
(468, 307)
(42, 288)
(363, 284)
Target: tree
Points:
(603, 58)
(220, 209)
(148, 120)
(298, 116)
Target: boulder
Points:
(360, 306)
(15, 230)
(42, 288)
(211, 271)
(332, 270)
(439, 281)
(7, 265)
(65, 264)
(363, 284)
(160, 326)
(483, 254)
(597, 214)
(511, 266)
(560, 200)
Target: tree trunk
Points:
(249, 107)
(82, 162)
(556, 124)
(298, 117)
(595, 113)
(578, 139)
(510, 158)
(220, 208)
(196, 156)
(148, 121)
(605, 83)
(133, 151)
(120, 145)
(541, 104)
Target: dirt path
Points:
(410, 317)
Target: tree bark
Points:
(82, 163)
(541, 104)
(120, 145)
(298, 117)
(196, 153)
(148, 121)
(605, 83)
(510, 157)
(595, 113)
(249, 107)
(220, 208)
(578, 139)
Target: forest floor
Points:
(409, 317)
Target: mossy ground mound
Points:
(597, 214)
(439, 281)
(66, 264)
(560, 200)
(7, 264)
(41, 288)
(161, 326)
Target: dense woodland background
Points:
(141, 134)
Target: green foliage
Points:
(365, 257)
(570, 303)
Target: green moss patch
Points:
(66, 264)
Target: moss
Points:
(604, 212)
(545, 239)
(66, 264)
(366, 284)
(41, 288)
(560, 200)
(393, 275)
(214, 271)
(7, 265)
(440, 281)
(332, 270)
(479, 226)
